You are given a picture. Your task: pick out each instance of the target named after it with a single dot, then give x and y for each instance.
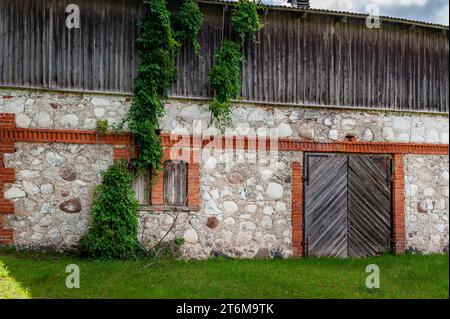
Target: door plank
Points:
(326, 205)
(369, 205)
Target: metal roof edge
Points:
(340, 13)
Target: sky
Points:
(434, 11)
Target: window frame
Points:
(177, 180)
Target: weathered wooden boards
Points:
(347, 205)
(315, 59)
(38, 50)
(175, 183)
(326, 205)
(142, 187)
(369, 205)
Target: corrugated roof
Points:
(288, 7)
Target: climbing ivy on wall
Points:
(225, 74)
(157, 45)
(245, 19)
(114, 229)
(226, 81)
(187, 24)
(113, 233)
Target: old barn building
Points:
(356, 120)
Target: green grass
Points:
(9, 287)
(43, 276)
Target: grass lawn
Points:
(43, 276)
(9, 287)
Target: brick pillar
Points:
(7, 121)
(297, 207)
(158, 190)
(194, 185)
(121, 153)
(399, 204)
(6, 235)
(7, 175)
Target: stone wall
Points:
(426, 203)
(39, 109)
(245, 209)
(53, 190)
(81, 111)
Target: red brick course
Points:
(9, 133)
(292, 145)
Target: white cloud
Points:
(334, 4)
(436, 11)
(443, 15)
(354, 4)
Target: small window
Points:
(142, 187)
(175, 183)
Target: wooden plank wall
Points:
(312, 60)
(37, 50)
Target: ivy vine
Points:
(225, 74)
(114, 228)
(245, 19)
(225, 80)
(157, 46)
(113, 233)
(188, 23)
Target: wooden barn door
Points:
(347, 205)
(325, 213)
(369, 205)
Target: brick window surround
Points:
(157, 189)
